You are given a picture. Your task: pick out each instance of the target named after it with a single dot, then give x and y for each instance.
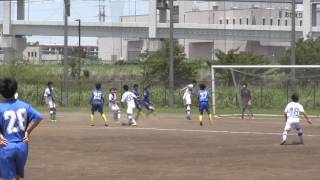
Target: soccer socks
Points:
(51, 114)
(200, 118)
(210, 118)
(284, 136)
(117, 115)
(104, 117)
(91, 120)
(54, 115)
(131, 120)
(188, 111)
(300, 134)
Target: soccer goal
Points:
(270, 86)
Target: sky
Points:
(86, 10)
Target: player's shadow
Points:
(293, 143)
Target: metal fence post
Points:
(37, 87)
(261, 94)
(79, 98)
(314, 94)
(61, 92)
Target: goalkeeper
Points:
(246, 100)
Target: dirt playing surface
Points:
(170, 147)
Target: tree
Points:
(307, 53)
(234, 57)
(156, 65)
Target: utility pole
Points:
(65, 52)
(79, 47)
(171, 58)
(293, 45)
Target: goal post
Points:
(231, 67)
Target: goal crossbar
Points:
(264, 66)
(213, 67)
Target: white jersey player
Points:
(128, 98)
(187, 98)
(113, 105)
(292, 118)
(50, 101)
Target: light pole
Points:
(79, 47)
(171, 57)
(293, 44)
(65, 52)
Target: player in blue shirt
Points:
(147, 101)
(203, 99)
(97, 103)
(137, 101)
(17, 121)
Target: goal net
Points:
(270, 86)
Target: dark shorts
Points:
(204, 106)
(138, 106)
(97, 107)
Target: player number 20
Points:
(12, 117)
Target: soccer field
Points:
(170, 147)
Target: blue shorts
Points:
(97, 107)
(13, 158)
(204, 106)
(138, 106)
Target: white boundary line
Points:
(186, 130)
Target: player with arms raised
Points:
(203, 99)
(17, 120)
(187, 98)
(97, 103)
(128, 98)
(49, 99)
(292, 118)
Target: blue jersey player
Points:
(17, 121)
(97, 103)
(147, 101)
(203, 99)
(137, 101)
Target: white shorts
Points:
(51, 104)
(114, 107)
(130, 110)
(187, 100)
(292, 125)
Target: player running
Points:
(128, 98)
(137, 101)
(50, 101)
(147, 101)
(17, 120)
(187, 97)
(97, 103)
(113, 105)
(292, 119)
(203, 100)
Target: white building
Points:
(53, 54)
(227, 13)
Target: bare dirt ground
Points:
(169, 147)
